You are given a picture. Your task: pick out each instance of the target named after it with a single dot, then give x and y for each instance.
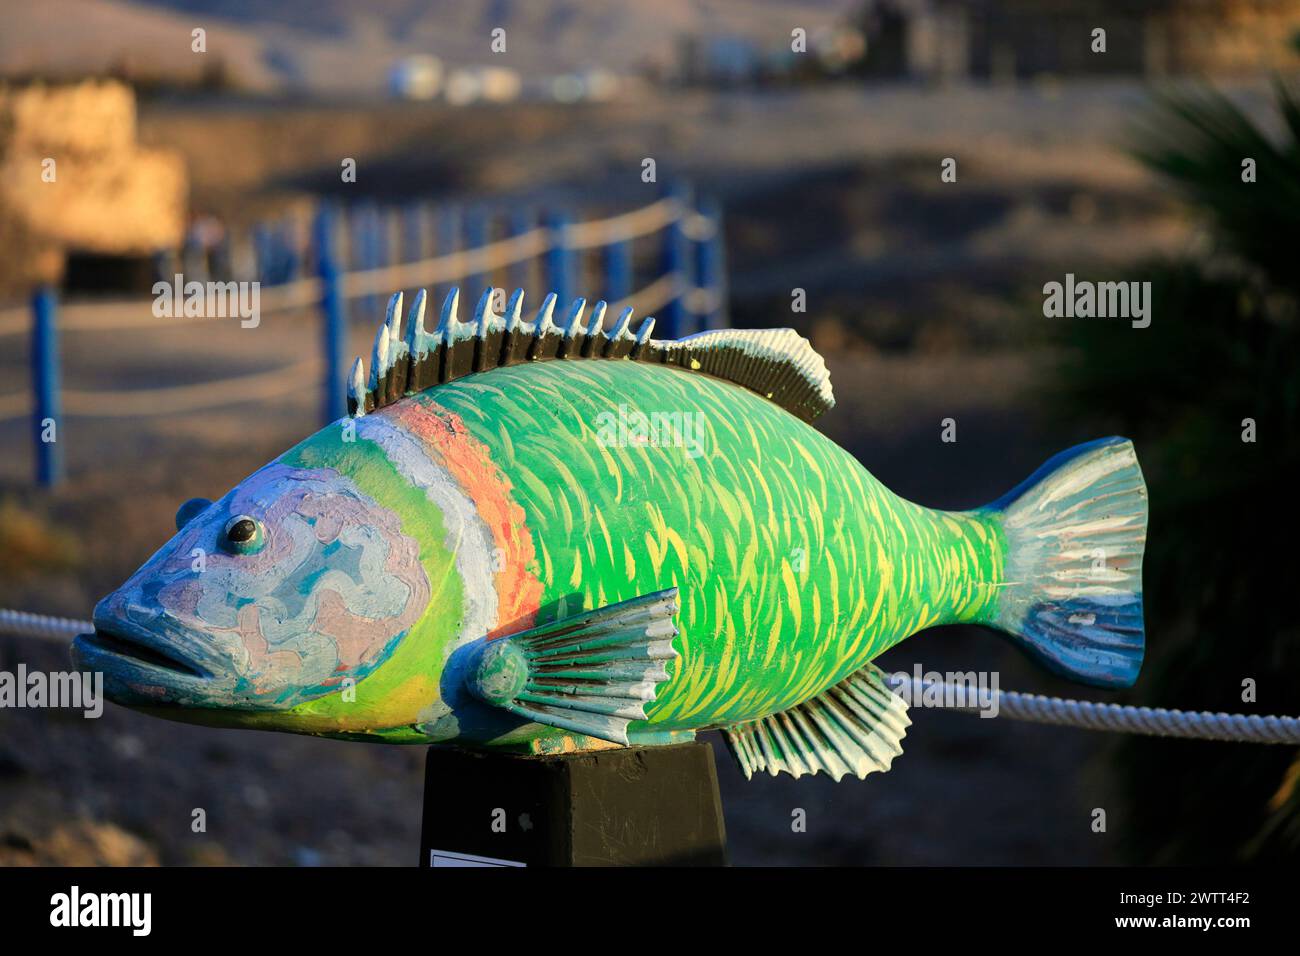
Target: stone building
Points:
(75, 184)
(1006, 39)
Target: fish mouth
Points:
(141, 650)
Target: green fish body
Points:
(794, 566)
(566, 537)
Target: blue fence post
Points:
(334, 394)
(413, 232)
(193, 259)
(448, 242)
(711, 267)
(47, 412)
(365, 248)
(291, 239)
(618, 270)
(390, 237)
(677, 263)
(356, 226)
(379, 252)
(522, 220)
(222, 258)
(476, 237)
(263, 252)
(559, 262)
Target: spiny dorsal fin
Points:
(779, 364)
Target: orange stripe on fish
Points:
(444, 435)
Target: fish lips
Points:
(140, 666)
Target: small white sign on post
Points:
(439, 858)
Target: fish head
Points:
(294, 587)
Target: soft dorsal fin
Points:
(779, 364)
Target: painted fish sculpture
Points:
(552, 536)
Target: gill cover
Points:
(274, 595)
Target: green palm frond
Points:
(1200, 139)
(1221, 349)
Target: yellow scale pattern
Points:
(795, 566)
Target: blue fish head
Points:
(282, 591)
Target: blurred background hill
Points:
(339, 47)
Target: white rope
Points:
(1151, 721)
(15, 319)
(701, 301)
(650, 298)
(26, 624)
(508, 251)
(139, 313)
(453, 265)
(298, 294)
(620, 228)
(304, 292)
(15, 405)
(698, 227)
(287, 380)
(1156, 722)
(259, 387)
(653, 296)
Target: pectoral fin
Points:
(592, 673)
(855, 727)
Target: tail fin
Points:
(1075, 530)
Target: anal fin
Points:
(592, 673)
(855, 727)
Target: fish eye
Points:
(243, 535)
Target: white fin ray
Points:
(777, 363)
(854, 728)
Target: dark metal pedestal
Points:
(641, 806)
